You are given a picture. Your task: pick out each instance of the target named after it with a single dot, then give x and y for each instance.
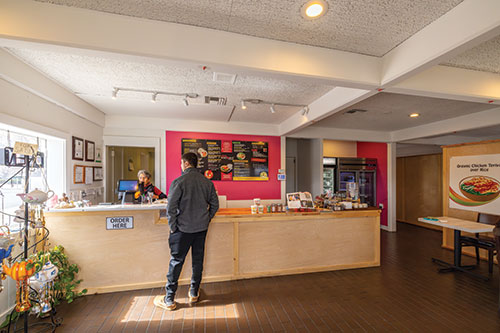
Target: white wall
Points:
(24, 109)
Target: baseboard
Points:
(4, 314)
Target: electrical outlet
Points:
(381, 205)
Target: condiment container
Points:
(254, 208)
(260, 209)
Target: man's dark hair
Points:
(191, 158)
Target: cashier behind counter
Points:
(146, 188)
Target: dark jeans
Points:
(180, 243)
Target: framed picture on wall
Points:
(79, 174)
(89, 175)
(89, 151)
(98, 154)
(98, 173)
(77, 148)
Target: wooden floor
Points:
(405, 294)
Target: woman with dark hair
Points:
(146, 188)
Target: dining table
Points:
(458, 225)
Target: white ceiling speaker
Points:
(185, 101)
(114, 93)
(153, 98)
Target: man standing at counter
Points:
(192, 203)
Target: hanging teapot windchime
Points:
(21, 274)
(43, 283)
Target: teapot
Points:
(36, 196)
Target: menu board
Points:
(250, 160)
(230, 160)
(209, 156)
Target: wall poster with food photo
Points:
(475, 183)
(209, 156)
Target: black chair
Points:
(496, 234)
(483, 242)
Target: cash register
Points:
(126, 190)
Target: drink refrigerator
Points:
(362, 171)
(329, 174)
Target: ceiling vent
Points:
(224, 78)
(215, 100)
(356, 110)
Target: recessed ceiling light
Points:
(414, 115)
(314, 9)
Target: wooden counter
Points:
(239, 245)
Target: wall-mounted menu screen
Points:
(230, 160)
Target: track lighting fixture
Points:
(272, 105)
(155, 93)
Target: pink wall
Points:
(378, 151)
(235, 190)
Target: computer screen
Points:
(127, 185)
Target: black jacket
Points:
(192, 202)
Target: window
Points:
(53, 150)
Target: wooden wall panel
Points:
(419, 188)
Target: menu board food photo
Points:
(230, 160)
(475, 183)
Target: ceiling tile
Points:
(484, 57)
(390, 112)
(93, 78)
(372, 27)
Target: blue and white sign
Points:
(119, 222)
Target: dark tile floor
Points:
(405, 294)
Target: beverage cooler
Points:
(329, 174)
(362, 171)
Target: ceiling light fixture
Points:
(314, 9)
(414, 115)
(155, 93)
(304, 111)
(272, 105)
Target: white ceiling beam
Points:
(116, 124)
(26, 77)
(465, 26)
(471, 121)
(344, 134)
(23, 20)
(332, 102)
(452, 83)
(445, 140)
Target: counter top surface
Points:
(105, 208)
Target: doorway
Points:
(124, 163)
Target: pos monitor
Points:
(126, 190)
